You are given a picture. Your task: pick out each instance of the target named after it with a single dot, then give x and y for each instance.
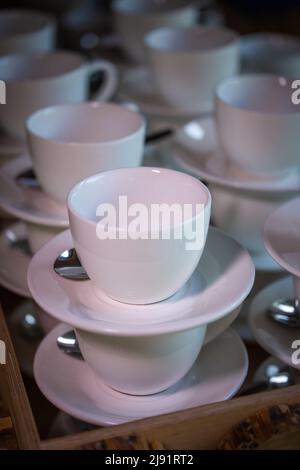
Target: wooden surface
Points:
(14, 395)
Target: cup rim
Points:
(232, 38)
(93, 223)
(47, 20)
(80, 61)
(118, 6)
(30, 122)
(219, 99)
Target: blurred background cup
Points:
(133, 19)
(38, 80)
(257, 124)
(271, 53)
(188, 63)
(23, 31)
(70, 142)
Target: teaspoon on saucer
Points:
(68, 266)
(286, 312)
(69, 345)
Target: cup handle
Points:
(109, 86)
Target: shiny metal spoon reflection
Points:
(69, 345)
(275, 375)
(68, 266)
(286, 312)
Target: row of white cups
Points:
(150, 305)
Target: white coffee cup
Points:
(257, 123)
(69, 142)
(188, 63)
(271, 53)
(135, 18)
(26, 31)
(38, 80)
(150, 262)
(147, 364)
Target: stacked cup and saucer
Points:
(151, 314)
(248, 157)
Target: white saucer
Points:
(13, 261)
(30, 205)
(274, 338)
(282, 236)
(208, 163)
(138, 85)
(70, 384)
(223, 279)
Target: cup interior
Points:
(191, 39)
(19, 22)
(85, 123)
(259, 93)
(24, 67)
(149, 6)
(144, 185)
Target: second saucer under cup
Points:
(149, 267)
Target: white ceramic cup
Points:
(271, 53)
(153, 265)
(147, 364)
(188, 63)
(25, 31)
(257, 124)
(38, 80)
(134, 19)
(67, 143)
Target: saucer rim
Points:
(9, 285)
(113, 421)
(267, 237)
(185, 161)
(119, 329)
(284, 283)
(7, 205)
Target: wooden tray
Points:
(198, 428)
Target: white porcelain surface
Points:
(70, 384)
(221, 282)
(134, 19)
(240, 205)
(258, 111)
(271, 53)
(26, 31)
(64, 154)
(39, 80)
(138, 85)
(141, 366)
(188, 63)
(282, 239)
(132, 268)
(273, 337)
(14, 262)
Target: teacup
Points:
(258, 125)
(139, 251)
(135, 18)
(271, 53)
(68, 143)
(147, 364)
(188, 63)
(38, 80)
(26, 31)
(38, 234)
